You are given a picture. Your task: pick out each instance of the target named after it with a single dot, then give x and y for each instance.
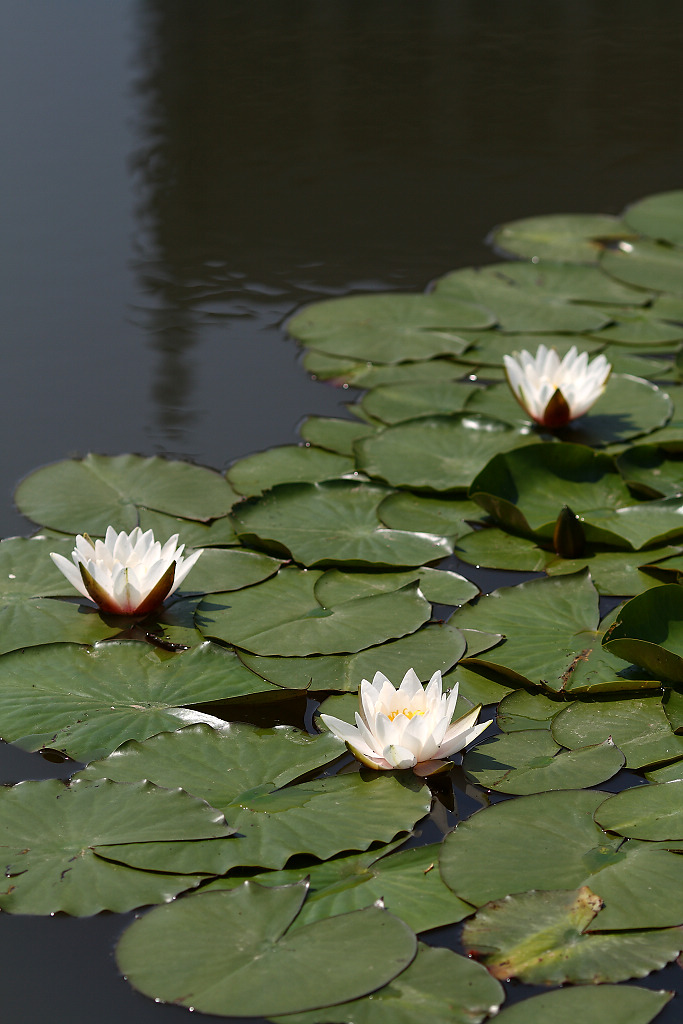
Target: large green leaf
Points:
(188, 956)
(388, 328)
(283, 617)
(541, 938)
(221, 569)
(571, 237)
(552, 638)
(638, 726)
(523, 762)
(515, 307)
(646, 812)
(591, 1004)
(649, 632)
(86, 701)
(637, 326)
(521, 710)
(646, 264)
(288, 464)
(488, 348)
(439, 986)
(321, 819)
(439, 453)
(647, 469)
(550, 841)
(191, 532)
(574, 281)
(441, 516)
(48, 831)
(434, 647)
(660, 216)
(437, 585)
(394, 403)
(90, 494)
(219, 765)
(333, 435)
(334, 523)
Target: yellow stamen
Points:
(403, 711)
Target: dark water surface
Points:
(178, 176)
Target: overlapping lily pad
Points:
(437, 585)
(288, 464)
(574, 281)
(48, 831)
(333, 435)
(85, 701)
(394, 403)
(660, 216)
(445, 517)
(438, 986)
(621, 1004)
(541, 938)
(282, 616)
(229, 569)
(646, 812)
(438, 453)
(649, 632)
(188, 956)
(88, 495)
(646, 264)
(570, 237)
(333, 523)
(487, 857)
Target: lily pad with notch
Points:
(287, 464)
(649, 632)
(646, 264)
(591, 1004)
(653, 812)
(567, 237)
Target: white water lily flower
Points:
(408, 727)
(126, 573)
(554, 392)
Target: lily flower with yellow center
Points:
(551, 391)
(126, 573)
(408, 727)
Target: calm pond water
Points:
(179, 177)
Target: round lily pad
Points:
(393, 403)
(333, 523)
(646, 264)
(288, 464)
(88, 495)
(333, 435)
(649, 632)
(591, 1004)
(570, 237)
(649, 471)
(647, 812)
(574, 281)
(439, 453)
(282, 616)
(660, 216)
(188, 956)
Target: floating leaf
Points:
(287, 464)
(394, 403)
(441, 516)
(638, 726)
(645, 812)
(439, 453)
(571, 237)
(215, 533)
(85, 701)
(647, 265)
(521, 710)
(523, 762)
(48, 831)
(88, 495)
(573, 281)
(282, 616)
(647, 469)
(439, 986)
(433, 647)
(437, 585)
(660, 216)
(620, 1004)
(221, 569)
(638, 327)
(540, 938)
(333, 523)
(334, 435)
(649, 632)
(188, 956)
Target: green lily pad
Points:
(645, 812)
(387, 328)
(638, 726)
(333, 435)
(288, 464)
(438, 453)
(647, 265)
(215, 533)
(637, 326)
(434, 647)
(647, 470)
(550, 841)
(282, 616)
(521, 710)
(221, 569)
(660, 216)
(528, 762)
(394, 403)
(646, 364)
(620, 1004)
(552, 638)
(518, 308)
(188, 956)
(649, 632)
(85, 701)
(574, 281)
(439, 986)
(219, 765)
(441, 516)
(569, 237)
(333, 523)
(88, 495)
(541, 938)
(487, 349)
(320, 819)
(673, 706)
(616, 573)
(437, 585)
(49, 830)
